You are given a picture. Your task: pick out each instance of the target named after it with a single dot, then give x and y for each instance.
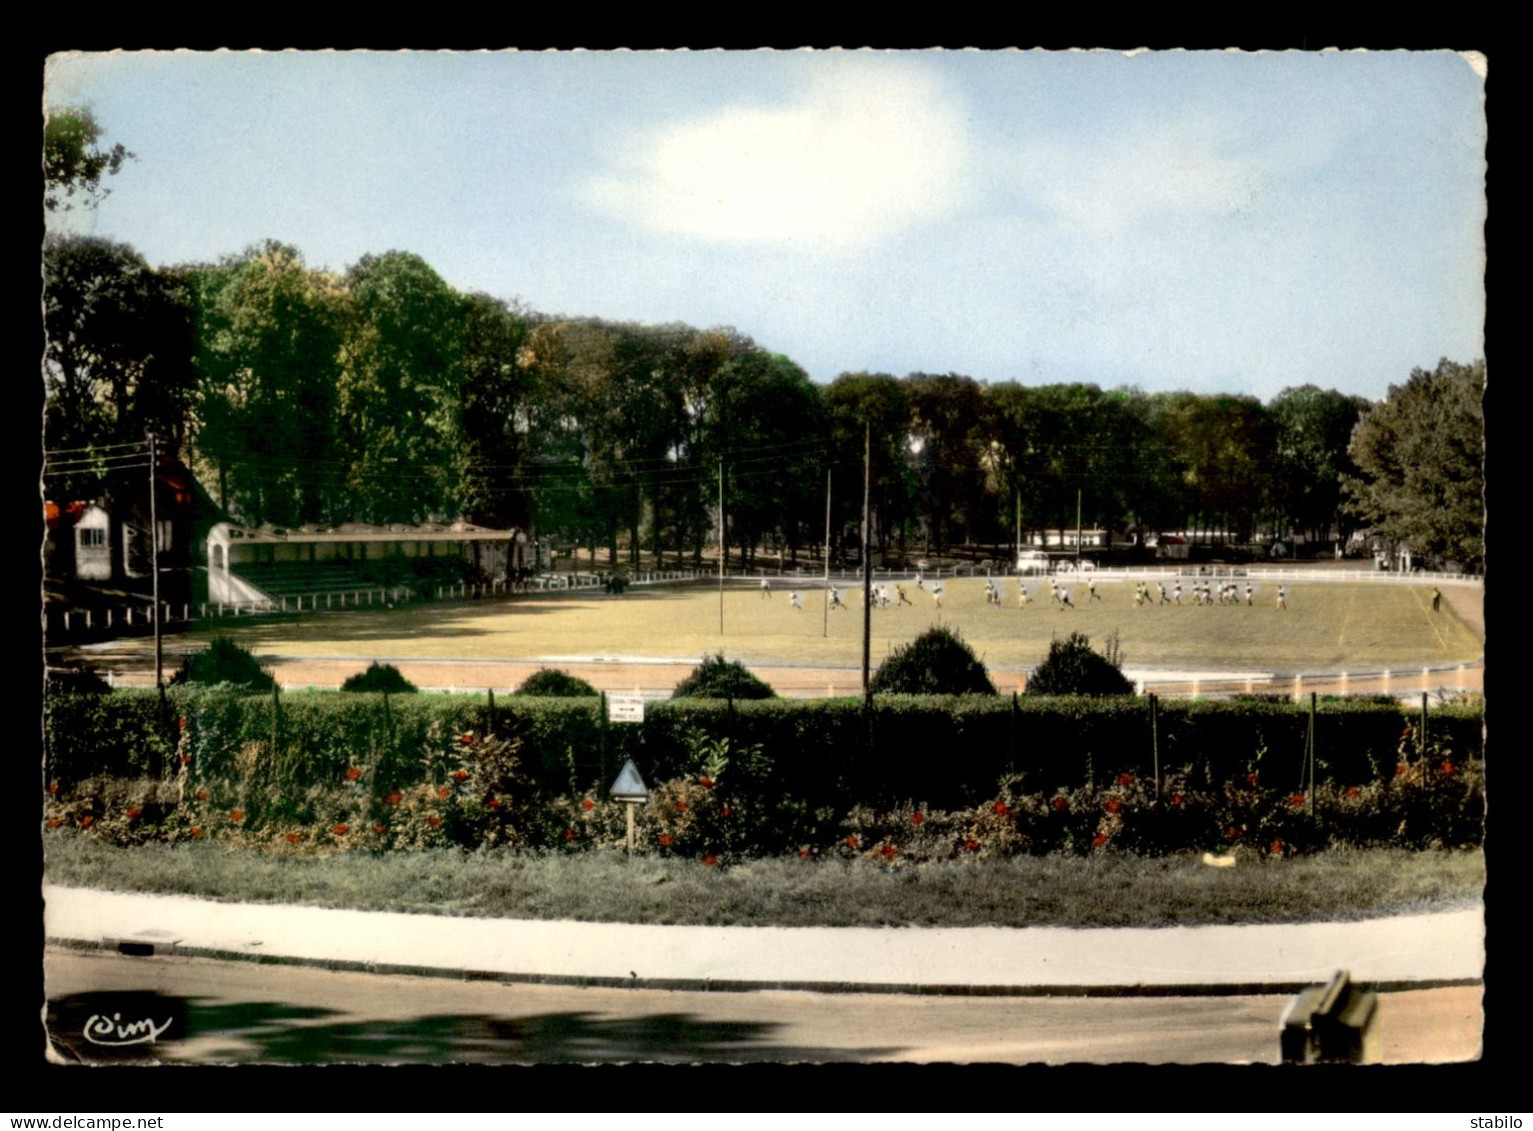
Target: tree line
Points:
(384, 395)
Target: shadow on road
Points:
(192, 1030)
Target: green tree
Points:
(718, 678)
(73, 164)
(117, 357)
(1420, 457)
(937, 662)
(945, 453)
(553, 683)
(268, 356)
(1072, 668)
(492, 405)
(1312, 428)
(385, 678)
(765, 420)
(399, 380)
(875, 407)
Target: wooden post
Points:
(1310, 754)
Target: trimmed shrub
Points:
(937, 662)
(76, 681)
(380, 678)
(1072, 668)
(555, 684)
(718, 678)
(224, 661)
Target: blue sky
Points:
(1173, 220)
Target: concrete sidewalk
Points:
(1393, 953)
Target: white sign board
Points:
(625, 706)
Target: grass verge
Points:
(1049, 891)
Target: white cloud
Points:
(1203, 165)
(866, 151)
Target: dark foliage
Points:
(937, 662)
(224, 661)
(77, 681)
(553, 683)
(379, 677)
(718, 678)
(1072, 668)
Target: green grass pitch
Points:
(1328, 625)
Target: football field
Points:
(1326, 626)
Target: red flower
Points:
(1177, 799)
(202, 795)
(1251, 779)
(133, 814)
(1099, 840)
(725, 811)
(1231, 833)
(665, 840)
(706, 783)
(1353, 791)
(888, 851)
(444, 793)
(87, 821)
(587, 804)
(1001, 809)
(467, 740)
(196, 833)
(1114, 805)
(710, 860)
(1447, 769)
(181, 723)
(380, 829)
(1297, 800)
(1400, 769)
(292, 838)
(394, 798)
(1125, 779)
(186, 759)
(460, 775)
(236, 815)
(570, 834)
(1060, 804)
(353, 773)
(1408, 732)
(338, 829)
(803, 853)
(53, 787)
(971, 844)
(681, 806)
(918, 818)
(1277, 848)
(851, 841)
(434, 821)
(493, 803)
(54, 822)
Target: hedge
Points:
(939, 750)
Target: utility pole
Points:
(154, 560)
(867, 562)
(723, 547)
(825, 630)
(1017, 552)
(1077, 529)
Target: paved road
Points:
(239, 1012)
